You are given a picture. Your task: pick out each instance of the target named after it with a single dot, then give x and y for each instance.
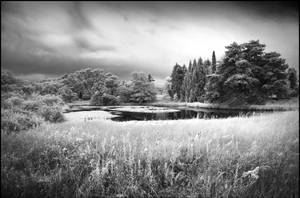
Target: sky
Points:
(48, 39)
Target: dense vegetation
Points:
(26, 104)
(22, 109)
(237, 157)
(246, 75)
(106, 89)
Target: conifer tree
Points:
(177, 79)
(207, 67)
(213, 63)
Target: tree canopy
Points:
(245, 75)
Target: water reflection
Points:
(182, 114)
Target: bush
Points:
(15, 101)
(124, 91)
(67, 94)
(18, 114)
(32, 105)
(15, 121)
(104, 99)
(50, 100)
(52, 113)
(110, 100)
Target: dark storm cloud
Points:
(78, 18)
(53, 38)
(275, 10)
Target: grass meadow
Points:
(254, 156)
(278, 105)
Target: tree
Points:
(251, 75)
(293, 82)
(7, 77)
(177, 79)
(67, 94)
(124, 91)
(83, 82)
(275, 78)
(9, 82)
(198, 78)
(212, 87)
(213, 63)
(207, 67)
(245, 75)
(50, 87)
(240, 88)
(142, 90)
(186, 86)
(182, 88)
(104, 99)
(168, 87)
(111, 83)
(292, 77)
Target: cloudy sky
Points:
(46, 39)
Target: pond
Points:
(143, 113)
(159, 113)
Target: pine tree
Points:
(200, 61)
(198, 77)
(177, 79)
(213, 62)
(182, 88)
(190, 66)
(207, 66)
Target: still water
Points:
(199, 113)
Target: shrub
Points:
(15, 101)
(110, 100)
(124, 91)
(50, 100)
(32, 105)
(67, 94)
(104, 99)
(15, 121)
(52, 113)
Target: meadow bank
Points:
(175, 158)
(281, 105)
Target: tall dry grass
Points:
(235, 157)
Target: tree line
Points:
(95, 85)
(246, 75)
(27, 104)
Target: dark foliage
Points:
(246, 75)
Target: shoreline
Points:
(290, 105)
(268, 107)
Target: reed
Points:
(175, 158)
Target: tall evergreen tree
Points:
(275, 78)
(177, 79)
(200, 61)
(207, 67)
(198, 76)
(190, 66)
(183, 86)
(213, 63)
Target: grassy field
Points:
(236, 157)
